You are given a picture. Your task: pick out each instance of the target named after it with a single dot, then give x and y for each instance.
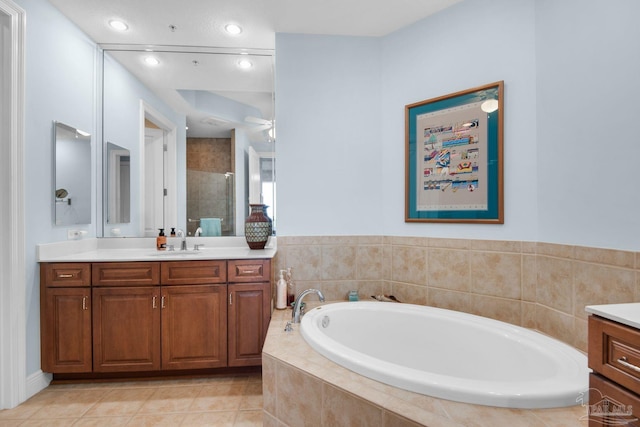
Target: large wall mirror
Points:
(193, 121)
(72, 170)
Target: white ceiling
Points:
(201, 23)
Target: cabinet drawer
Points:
(614, 352)
(611, 405)
(194, 272)
(249, 270)
(66, 274)
(125, 274)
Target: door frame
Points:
(13, 315)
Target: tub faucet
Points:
(183, 244)
(198, 232)
(295, 315)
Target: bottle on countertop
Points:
(291, 293)
(161, 240)
(281, 292)
(173, 232)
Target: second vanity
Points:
(124, 310)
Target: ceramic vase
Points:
(257, 227)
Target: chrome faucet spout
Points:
(183, 244)
(295, 315)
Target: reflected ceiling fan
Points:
(256, 125)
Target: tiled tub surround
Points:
(303, 388)
(540, 286)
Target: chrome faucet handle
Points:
(197, 247)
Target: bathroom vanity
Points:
(614, 357)
(153, 313)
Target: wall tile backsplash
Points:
(543, 286)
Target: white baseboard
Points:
(37, 382)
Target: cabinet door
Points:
(194, 326)
(126, 329)
(66, 330)
(249, 315)
(611, 404)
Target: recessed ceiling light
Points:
(118, 25)
(233, 29)
(245, 64)
(151, 60)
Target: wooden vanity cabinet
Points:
(65, 317)
(138, 316)
(614, 385)
(249, 310)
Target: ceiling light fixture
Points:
(245, 64)
(118, 25)
(233, 29)
(151, 60)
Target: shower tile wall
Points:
(208, 159)
(537, 285)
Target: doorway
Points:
(158, 184)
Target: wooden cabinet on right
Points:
(614, 385)
(249, 310)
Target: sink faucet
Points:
(198, 232)
(296, 310)
(183, 244)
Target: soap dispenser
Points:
(161, 240)
(281, 292)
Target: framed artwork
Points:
(453, 157)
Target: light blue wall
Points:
(62, 69)
(570, 70)
(471, 44)
(588, 69)
(59, 85)
(328, 146)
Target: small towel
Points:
(210, 227)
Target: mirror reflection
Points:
(189, 122)
(72, 184)
(118, 184)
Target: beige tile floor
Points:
(216, 401)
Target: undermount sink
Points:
(177, 253)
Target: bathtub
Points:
(449, 354)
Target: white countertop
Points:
(144, 249)
(627, 314)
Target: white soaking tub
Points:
(449, 354)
